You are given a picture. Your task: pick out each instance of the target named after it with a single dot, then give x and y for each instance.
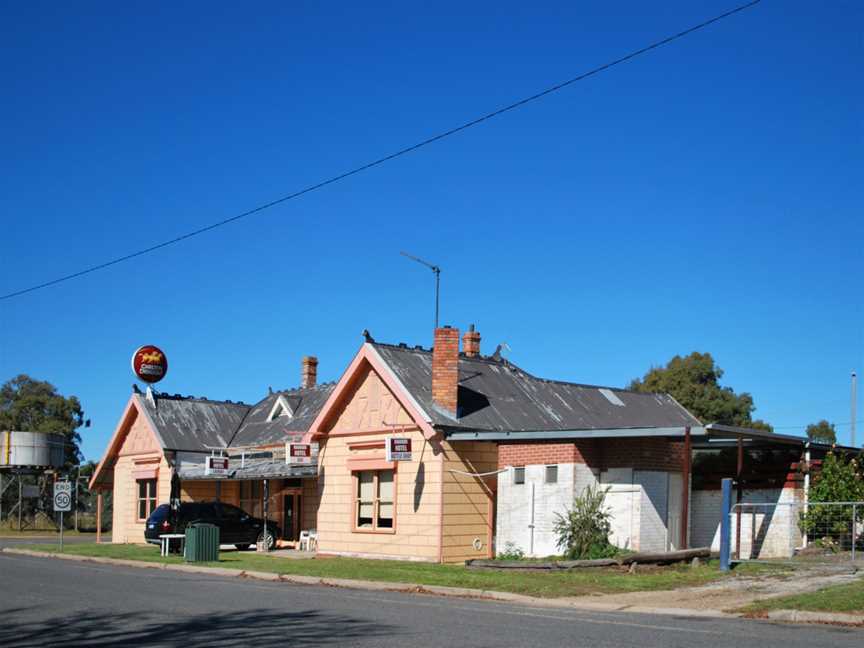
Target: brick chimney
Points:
(445, 368)
(309, 372)
(471, 342)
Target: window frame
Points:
(151, 489)
(516, 472)
(376, 501)
(546, 479)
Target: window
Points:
(552, 474)
(374, 504)
(519, 475)
(146, 498)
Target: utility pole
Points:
(434, 268)
(854, 408)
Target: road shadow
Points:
(21, 628)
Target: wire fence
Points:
(26, 504)
(814, 531)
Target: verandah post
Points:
(725, 526)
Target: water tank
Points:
(32, 449)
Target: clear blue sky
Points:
(704, 197)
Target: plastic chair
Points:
(305, 537)
(313, 540)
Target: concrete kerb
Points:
(794, 616)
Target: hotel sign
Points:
(398, 449)
(301, 454)
(216, 466)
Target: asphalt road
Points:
(48, 602)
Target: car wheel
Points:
(242, 547)
(271, 540)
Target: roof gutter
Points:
(605, 433)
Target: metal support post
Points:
(61, 531)
(99, 517)
(266, 490)
(739, 495)
(725, 513)
(854, 528)
(685, 490)
(20, 499)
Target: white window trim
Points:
(280, 402)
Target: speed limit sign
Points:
(63, 496)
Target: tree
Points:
(694, 381)
(823, 431)
(35, 406)
(840, 480)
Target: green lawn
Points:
(839, 598)
(545, 584)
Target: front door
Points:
(291, 517)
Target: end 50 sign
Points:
(63, 496)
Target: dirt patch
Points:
(733, 593)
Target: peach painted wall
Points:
(357, 433)
(139, 452)
(468, 501)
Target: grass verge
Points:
(848, 598)
(548, 584)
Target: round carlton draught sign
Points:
(149, 363)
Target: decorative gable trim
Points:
(369, 356)
(279, 406)
(134, 409)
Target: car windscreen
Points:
(159, 514)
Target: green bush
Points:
(840, 480)
(511, 551)
(583, 531)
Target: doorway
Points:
(292, 515)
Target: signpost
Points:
(398, 449)
(62, 502)
(216, 466)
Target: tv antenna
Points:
(434, 268)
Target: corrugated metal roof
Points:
(497, 395)
(306, 404)
(199, 424)
(251, 469)
(187, 423)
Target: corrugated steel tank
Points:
(31, 449)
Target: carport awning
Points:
(251, 469)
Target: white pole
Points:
(854, 408)
(531, 524)
(806, 486)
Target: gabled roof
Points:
(192, 424)
(305, 404)
(496, 395)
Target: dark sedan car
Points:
(235, 525)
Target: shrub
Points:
(838, 481)
(511, 551)
(583, 531)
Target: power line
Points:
(391, 156)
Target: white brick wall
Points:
(514, 506)
(776, 526)
(638, 500)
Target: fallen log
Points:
(526, 564)
(509, 564)
(665, 557)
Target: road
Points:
(48, 602)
